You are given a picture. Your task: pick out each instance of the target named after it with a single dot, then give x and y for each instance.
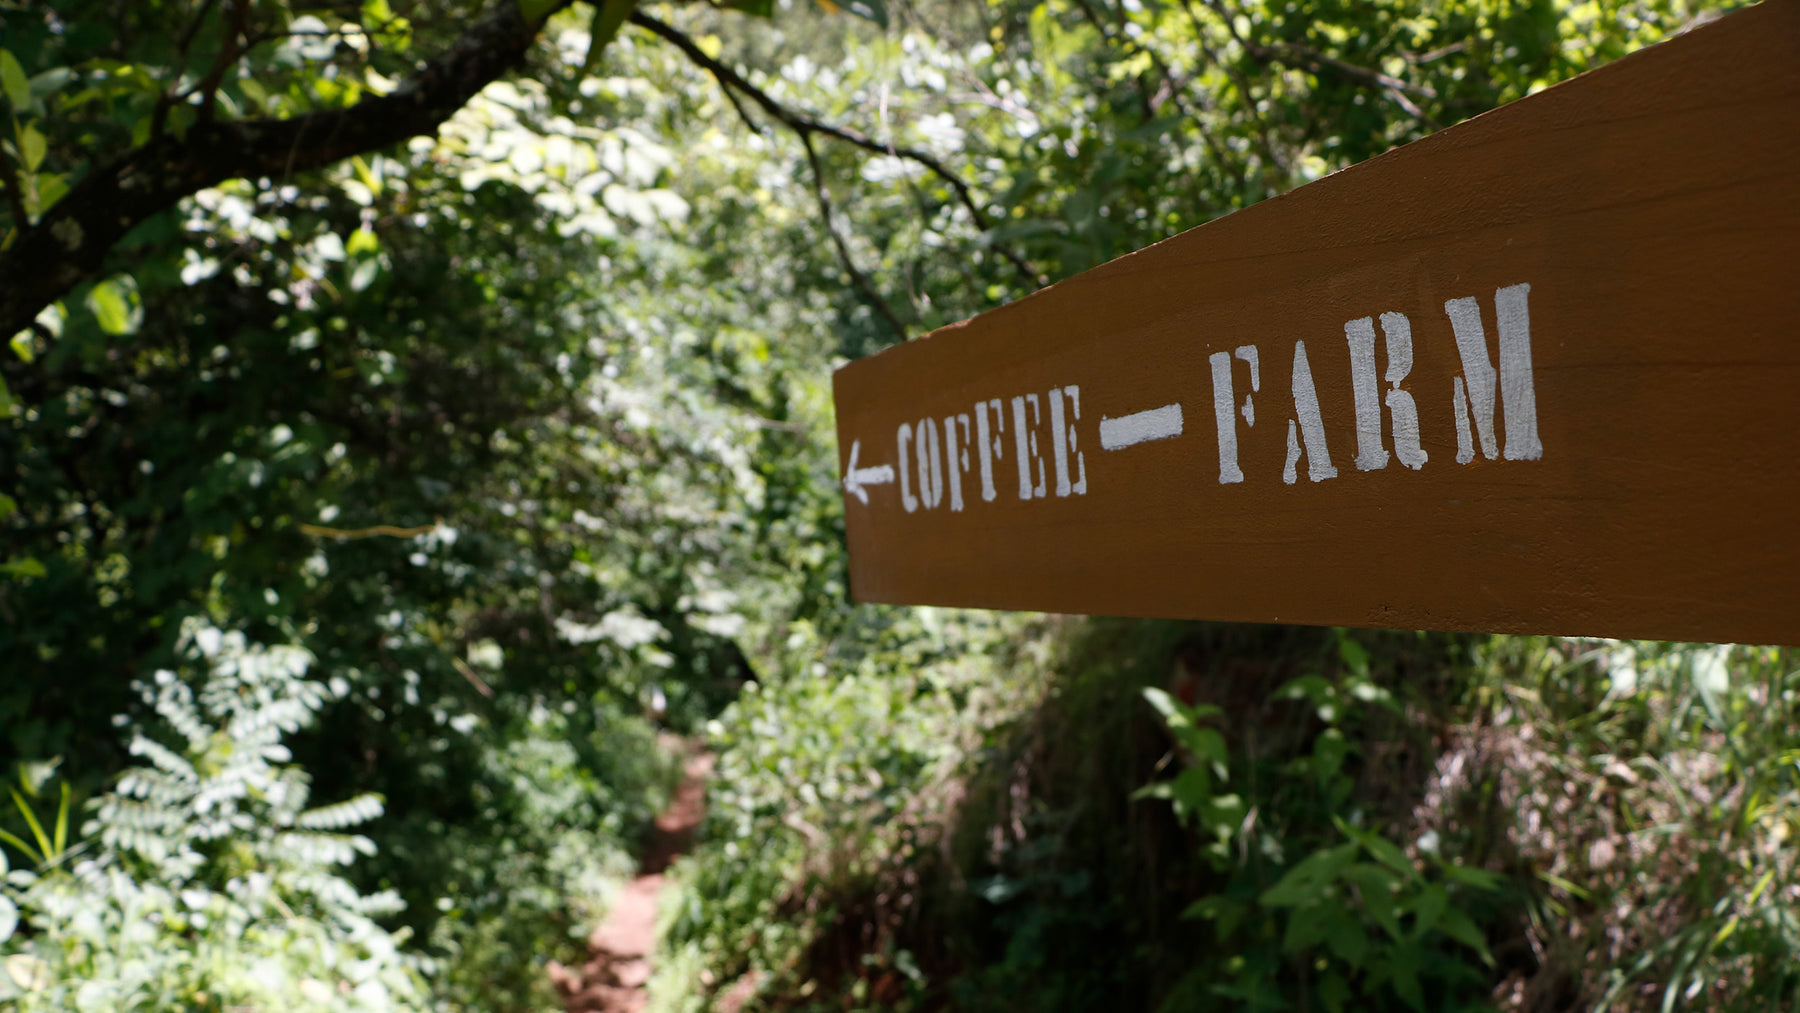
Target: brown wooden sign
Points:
(1539, 372)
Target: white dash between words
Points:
(1141, 427)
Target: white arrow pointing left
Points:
(855, 478)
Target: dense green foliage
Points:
(433, 483)
(1386, 821)
(204, 881)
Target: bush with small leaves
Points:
(204, 881)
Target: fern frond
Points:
(341, 815)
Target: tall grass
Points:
(1647, 795)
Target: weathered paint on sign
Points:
(1538, 372)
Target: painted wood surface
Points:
(1539, 372)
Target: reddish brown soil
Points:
(619, 951)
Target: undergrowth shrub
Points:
(535, 871)
(1646, 796)
(1156, 815)
(1309, 910)
(833, 776)
(204, 880)
(1203, 816)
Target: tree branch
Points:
(193, 29)
(1316, 61)
(859, 279)
(168, 98)
(71, 241)
(1242, 85)
(743, 114)
(1172, 87)
(160, 115)
(804, 125)
(1308, 58)
(230, 48)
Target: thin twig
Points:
(468, 673)
(229, 51)
(193, 29)
(743, 114)
(1436, 54)
(1173, 86)
(857, 277)
(166, 101)
(1308, 58)
(759, 422)
(378, 530)
(1242, 84)
(985, 96)
(802, 124)
(1395, 89)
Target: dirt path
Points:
(618, 965)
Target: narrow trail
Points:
(618, 966)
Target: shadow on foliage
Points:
(1066, 880)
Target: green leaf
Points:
(1161, 789)
(609, 16)
(1314, 688)
(51, 81)
(62, 821)
(1380, 848)
(51, 187)
(535, 11)
(1334, 992)
(1459, 926)
(21, 346)
(111, 306)
(37, 829)
(1207, 745)
(1329, 751)
(13, 839)
(872, 10)
(1307, 927)
(1376, 885)
(364, 274)
(8, 507)
(997, 889)
(1403, 971)
(1356, 658)
(1385, 852)
(1174, 711)
(754, 8)
(1346, 938)
(1165, 704)
(366, 176)
(31, 147)
(1225, 912)
(1226, 813)
(1309, 881)
(254, 91)
(19, 567)
(34, 774)
(362, 241)
(12, 78)
(1428, 907)
(1480, 879)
